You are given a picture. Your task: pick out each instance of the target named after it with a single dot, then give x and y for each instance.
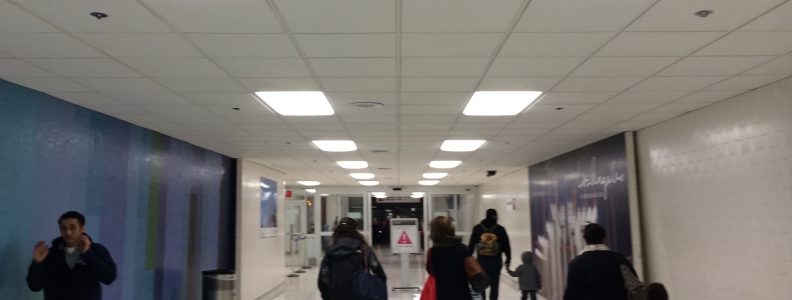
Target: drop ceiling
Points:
(606, 66)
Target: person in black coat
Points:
(446, 261)
(490, 242)
(73, 267)
(342, 259)
(596, 273)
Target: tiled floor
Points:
(304, 287)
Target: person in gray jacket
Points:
(529, 278)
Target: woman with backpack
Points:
(347, 256)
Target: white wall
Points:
(498, 194)
(260, 262)
(717, 198)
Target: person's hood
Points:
(344, 246)
(527, 258)
(448, 242)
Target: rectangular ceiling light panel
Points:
(461, 145)
(352, 164)
(297, 103)
(362, 176)
(444, 164)
(335, 145)
(499, 103)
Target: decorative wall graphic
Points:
(269, 208)
(585, 185)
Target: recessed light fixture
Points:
(309, 182)
(499, 103)
(335, 145)
(311, 190)
(419, 194)
(703, 13)
(461, 145)
(99, 15)
(352, 164)
(434, 175)
(297, 103)
(362, 176)
(368, 182)
(444, 164)
(428, 182)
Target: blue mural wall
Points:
(164, 208)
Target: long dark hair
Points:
(347, 227)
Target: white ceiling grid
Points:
(606, 66)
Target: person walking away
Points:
(595, 274)
(343, 258)
(490, 241)
(73, 267)
(528, 276)
(446, 261)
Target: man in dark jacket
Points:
(489, 241)
(73, 266)
(595, 274)
(342, 259)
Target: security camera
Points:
(491, 173)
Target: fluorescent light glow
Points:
(297, 103)
(362, 176)
(309, 182)
(335, 145)
(369, 182)
(311, 190)
(264, 185)
(434, 175)
(444, 164)
(428, 182)
(461, 145)
(378, 193)
(499, 103)
(416, 196)
(419, 194)
(324, 195)
(352, 164)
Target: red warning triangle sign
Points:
(404, 239)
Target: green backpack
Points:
(488, 242)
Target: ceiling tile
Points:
(264, 67)
(431, 109)
(458, 15)
(553, 98)
(438, 84)
(678, 83)
(449, 45)
(174, 67)
(72, 16)
(435, 98)
(746, 82)
(339, 16)
(48, 85)
(533, 66)
(710, 95)
(84, 67)
(115, 110)
(648, 97)
(596, 84)
(653, 117)
(14, 19)
(777, 19)
(385, 84)
(207, 16)
(113, 85)
(714, 65)
(388, 99)
(149, 98)
(20, 69)
(557, 16)
(751, 43)
(148, 45)
(623, 66)
(678, 15)
(779, 66)
(348, 45)
(202, 84)
(518, 83)
(443, 66)
(354, 67)
(88, 98)
(279, 84)
(244, 45)
(657, 43)
(601, 116)
(624, 108)
(45, 45)
(234, 99)
(681, 107)
(554, 44)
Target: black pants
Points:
(526, 293)
(492, 266)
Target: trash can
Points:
(218, 284)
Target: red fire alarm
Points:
(288, 194)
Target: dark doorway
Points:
(384, 209)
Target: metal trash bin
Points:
(218, 284)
